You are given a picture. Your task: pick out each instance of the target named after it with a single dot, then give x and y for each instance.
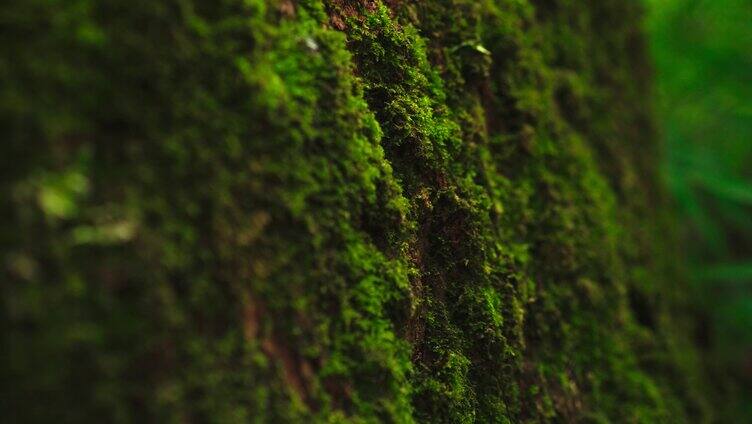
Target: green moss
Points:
(335, 211)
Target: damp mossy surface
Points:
(336, 211)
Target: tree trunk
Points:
(392, 211)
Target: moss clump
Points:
(439, 211)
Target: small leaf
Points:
(482, 49)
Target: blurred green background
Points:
(703, 57)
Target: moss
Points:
(335, 211)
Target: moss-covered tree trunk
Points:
(366, 211)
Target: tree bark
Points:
(367, 211)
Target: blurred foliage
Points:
(703, 55)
